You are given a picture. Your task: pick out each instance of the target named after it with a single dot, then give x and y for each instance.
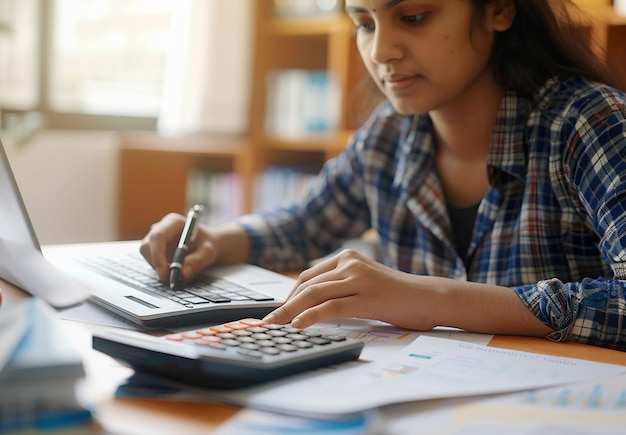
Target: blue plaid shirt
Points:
(552, 227)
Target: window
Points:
(83, 63)
(125, 64)
(19, 62)
(108, 56)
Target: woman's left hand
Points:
(352, 285)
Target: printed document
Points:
(428, 368)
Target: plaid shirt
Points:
(552, 227)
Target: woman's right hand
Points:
(159, 244)
(224, 244)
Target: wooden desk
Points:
(153, 416)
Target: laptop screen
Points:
(21, 261)
(16, 232)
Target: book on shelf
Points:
(301, 102)
(306, 8)
(39, 371)
(279, 185)
(221, 193)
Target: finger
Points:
(158, 245)
(197, 260)
(154, 251)
(314, 274)
(309, 296)
(328, 310)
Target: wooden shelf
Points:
(305, 26)
(154, 171)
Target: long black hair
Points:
(546, 39)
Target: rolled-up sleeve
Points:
(592, 311)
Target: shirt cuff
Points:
(553, 305)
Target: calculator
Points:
(229, 355)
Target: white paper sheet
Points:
(382, 339)
(429, 368)
(597, 407)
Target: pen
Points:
(187, 236)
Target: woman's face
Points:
(425, 55)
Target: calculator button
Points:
(220, 328)
(230, 342)
(303, 344)
(208, 340)
(287, 347)
(206, 331)
(236, 325)
(319, 340)
(266, 343)
(252, 322)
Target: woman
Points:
(494, 176)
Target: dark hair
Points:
(545, 40)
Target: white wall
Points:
(68, 180)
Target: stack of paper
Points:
(39, 369)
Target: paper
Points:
(14, 323)
(429, 368)
(25, 266)
(381, 338)
(584, 408)
(90, 312)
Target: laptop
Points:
(67, 275)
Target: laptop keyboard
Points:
(134, 271)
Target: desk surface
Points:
(154, 416)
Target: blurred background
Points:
(109, 109)
(76, 73)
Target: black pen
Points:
(189, 233)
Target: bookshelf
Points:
(154, 170)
